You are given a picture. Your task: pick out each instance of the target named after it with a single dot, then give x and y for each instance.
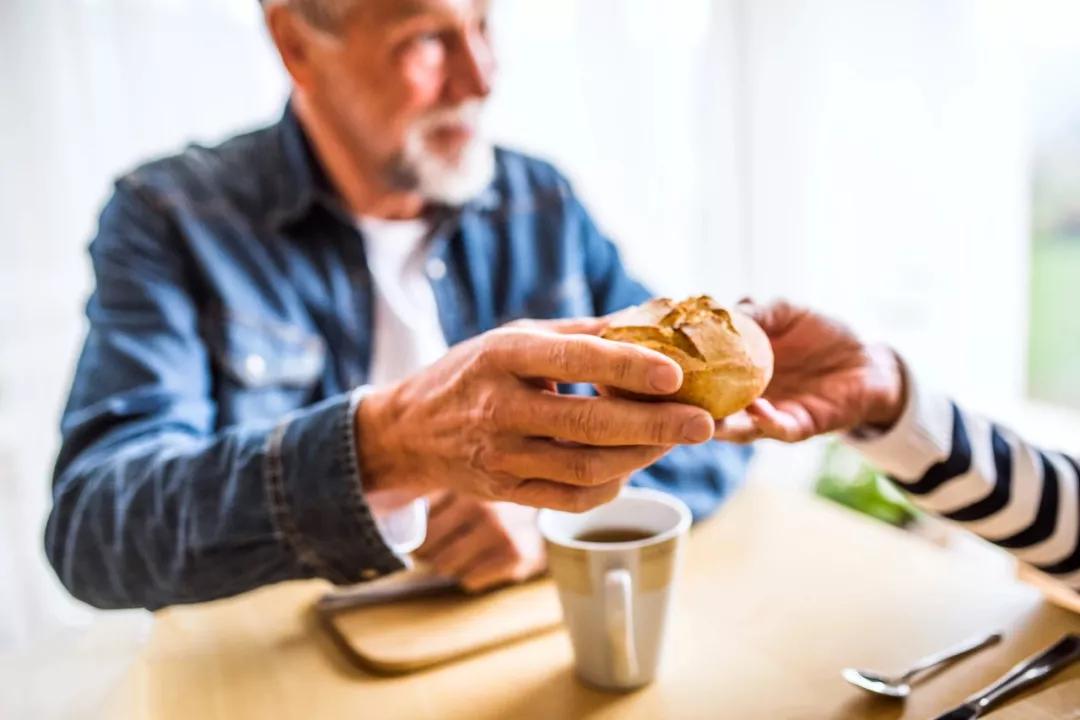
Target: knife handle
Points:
(1029, 672)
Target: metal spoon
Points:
(899, 687)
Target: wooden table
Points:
(778, 592)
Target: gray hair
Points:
(323, 14)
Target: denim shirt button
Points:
(255, 366)
(369, 574)
(436, 269)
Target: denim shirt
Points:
(208, 442)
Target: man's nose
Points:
(472, 70)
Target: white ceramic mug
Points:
(615, 595)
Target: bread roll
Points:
(726, 358)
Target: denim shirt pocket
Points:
(264, 368)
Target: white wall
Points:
(889, 181)
(89, 89)
(635, 99)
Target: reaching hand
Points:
(482, 544)
(825, 378)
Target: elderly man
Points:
(296, 334)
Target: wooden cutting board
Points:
(409, 622)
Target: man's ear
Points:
(295, 41)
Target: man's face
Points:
(404, 82)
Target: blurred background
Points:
(910, 165)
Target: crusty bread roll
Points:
(726, 358)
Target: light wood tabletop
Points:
(778, 592)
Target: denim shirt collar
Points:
(301, 180)
(303, 183)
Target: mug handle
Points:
(619, 616)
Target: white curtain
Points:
(634, 99)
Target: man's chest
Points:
(298, 319)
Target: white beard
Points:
(438, 178)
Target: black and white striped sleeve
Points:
(986, 478)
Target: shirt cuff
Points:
(404, 529)
(316, 497)
(921, 437)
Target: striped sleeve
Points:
(986, 478)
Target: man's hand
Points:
(486, 420)
(825, 379)
(482, 544)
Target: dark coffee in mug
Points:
(613, 535)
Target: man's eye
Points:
(427, 38)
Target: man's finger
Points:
(560, 496)
(586, 359)
(493, 570)
(548, 460)
(611, 421)
(462, 550)
(448, 519)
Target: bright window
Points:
(1054, 336)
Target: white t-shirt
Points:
(408, 336)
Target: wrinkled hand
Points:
(487, 420)
(825, 378)
(482, 544)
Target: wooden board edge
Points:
(393, 668)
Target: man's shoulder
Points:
(238, 172)
(520, 175)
